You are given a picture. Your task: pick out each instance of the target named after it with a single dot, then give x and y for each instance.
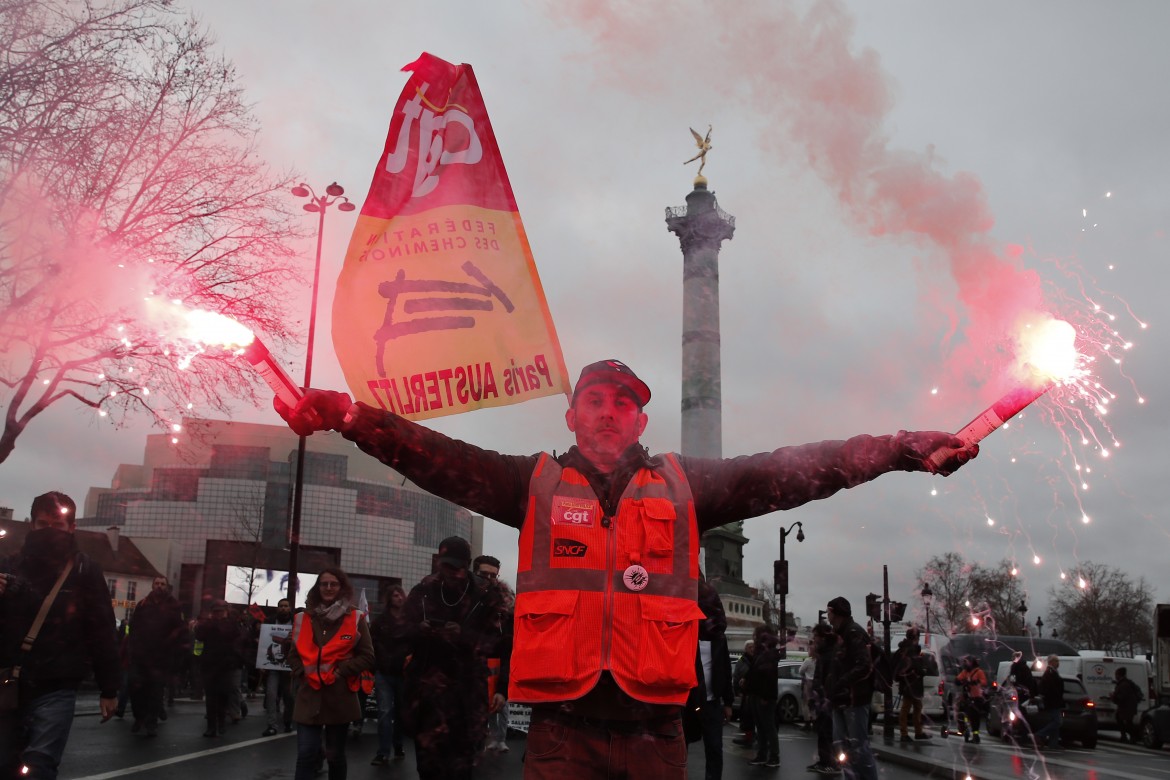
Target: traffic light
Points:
(780, 577)
(897, 611)
(873, 607)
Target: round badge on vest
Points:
(636, 577)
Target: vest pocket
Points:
(668, 640)
(659, 523)
(543, 650)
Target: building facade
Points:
(223, 491)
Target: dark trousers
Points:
(747, 715)
(972, 709)
(146, 693)
(766, 736)
(567, 748)
(712, 716)
(217, 691)
(824, 728)
(315, 743)
(1125, 724)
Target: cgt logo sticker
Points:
(580, 512)
(568, 548)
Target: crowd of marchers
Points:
(435, 660)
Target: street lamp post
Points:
(334, 194)
(781, 583)
(927, 594)
(1039, 627)
(1023, 610)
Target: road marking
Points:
(180, 759)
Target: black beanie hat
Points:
(840, 606)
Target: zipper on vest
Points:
(607, 614)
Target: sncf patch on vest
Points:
(579, 512)
(569, 548)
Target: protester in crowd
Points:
(909, 671)
(1021, 673)
(1051, 703)
(278, 693)
(807, 673)
(75, 637)
(849, 684)
(566, 507)
(331, 648)
(972, 681)
(822, 648)
(238, 682)
(761, 682)
(157, 631)
(499, 653)
(447, 622)
(221, 652)
(390, 651)
(709, 703)
(747, 716)
(1127, 695)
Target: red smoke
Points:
(796, 70)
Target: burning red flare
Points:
(1046, 356)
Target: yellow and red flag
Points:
(439, 308)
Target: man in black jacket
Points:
(77, 635)
(157, 630)
(761, 684)
(850, 688)
(448, 622)
(1052, 695)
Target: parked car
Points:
(788, 692)
(1012, 720)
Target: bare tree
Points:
(129, 179)
(949, 577)
(1099, 607)
(999, 593)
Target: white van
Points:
(1097, 676)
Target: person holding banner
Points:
(606, 616)
(278, 694)
(331, 648)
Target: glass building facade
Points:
(233, 482)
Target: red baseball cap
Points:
(615, 372)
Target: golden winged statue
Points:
(704, 145)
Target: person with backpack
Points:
(1127, 695)
(972, 701)
(909, 671)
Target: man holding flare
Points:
(606, 615)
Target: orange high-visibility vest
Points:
(600, 594)
(320, 662)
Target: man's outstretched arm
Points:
(752, 485)
(483, 481)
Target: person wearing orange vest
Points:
(331, 648)
(606, 623)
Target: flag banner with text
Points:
(439, 308)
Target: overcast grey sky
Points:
(997, 125)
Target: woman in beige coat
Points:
(331, 647)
